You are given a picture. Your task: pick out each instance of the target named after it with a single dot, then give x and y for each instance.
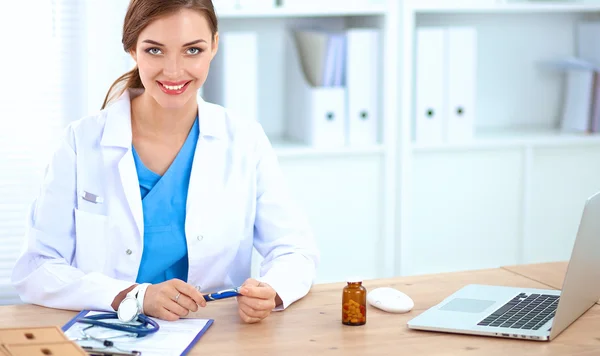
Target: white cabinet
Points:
(562, 178)
(342, 198)
(515, 192)
(465, 211)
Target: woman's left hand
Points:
(256, 301)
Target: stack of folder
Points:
(333, 86)
(445, 84)
(581, 103)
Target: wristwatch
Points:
(133, 304)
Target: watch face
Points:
(128, 309)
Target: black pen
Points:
(91, 351)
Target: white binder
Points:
(461, 83)
(578, 101)
(362, 82)
(233, 78)
(430, 86)
(315, 113)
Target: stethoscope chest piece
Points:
(128, 310)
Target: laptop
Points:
(525, 313)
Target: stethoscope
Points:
(145, 327)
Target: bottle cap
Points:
(354, 279)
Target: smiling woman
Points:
(168, 21)
(161, 196)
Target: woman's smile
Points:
(174, 88)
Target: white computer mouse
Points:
(390, 300)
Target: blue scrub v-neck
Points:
(164, 200)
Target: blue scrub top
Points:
(164, 200)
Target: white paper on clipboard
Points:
(174, 338)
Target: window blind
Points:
(41, 93)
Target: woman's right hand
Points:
(172, 299)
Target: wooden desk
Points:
(312, 325)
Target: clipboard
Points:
(179, 336)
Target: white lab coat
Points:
(81, 254)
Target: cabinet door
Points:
(342, 198)
(562, 179)
(465, 212)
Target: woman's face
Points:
(173, 54)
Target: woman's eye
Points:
(153, 50)
(194, 50)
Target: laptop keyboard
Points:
(524, 311)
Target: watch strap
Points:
(133, 292)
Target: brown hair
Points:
(140, 13)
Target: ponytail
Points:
(129, 80)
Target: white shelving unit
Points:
(341, 189)
(513, 194)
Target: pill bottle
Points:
(354, 303)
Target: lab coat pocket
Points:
(91, 234)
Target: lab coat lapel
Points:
(208, 175)
(117, 143)
(131, 187)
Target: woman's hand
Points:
(172, 299)
(257, 301)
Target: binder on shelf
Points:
(231, 82)
(430, 88)
(461, 75)
(581, 101)
(589, 51)
(363, 86)
(576, 113)
(315, 106)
